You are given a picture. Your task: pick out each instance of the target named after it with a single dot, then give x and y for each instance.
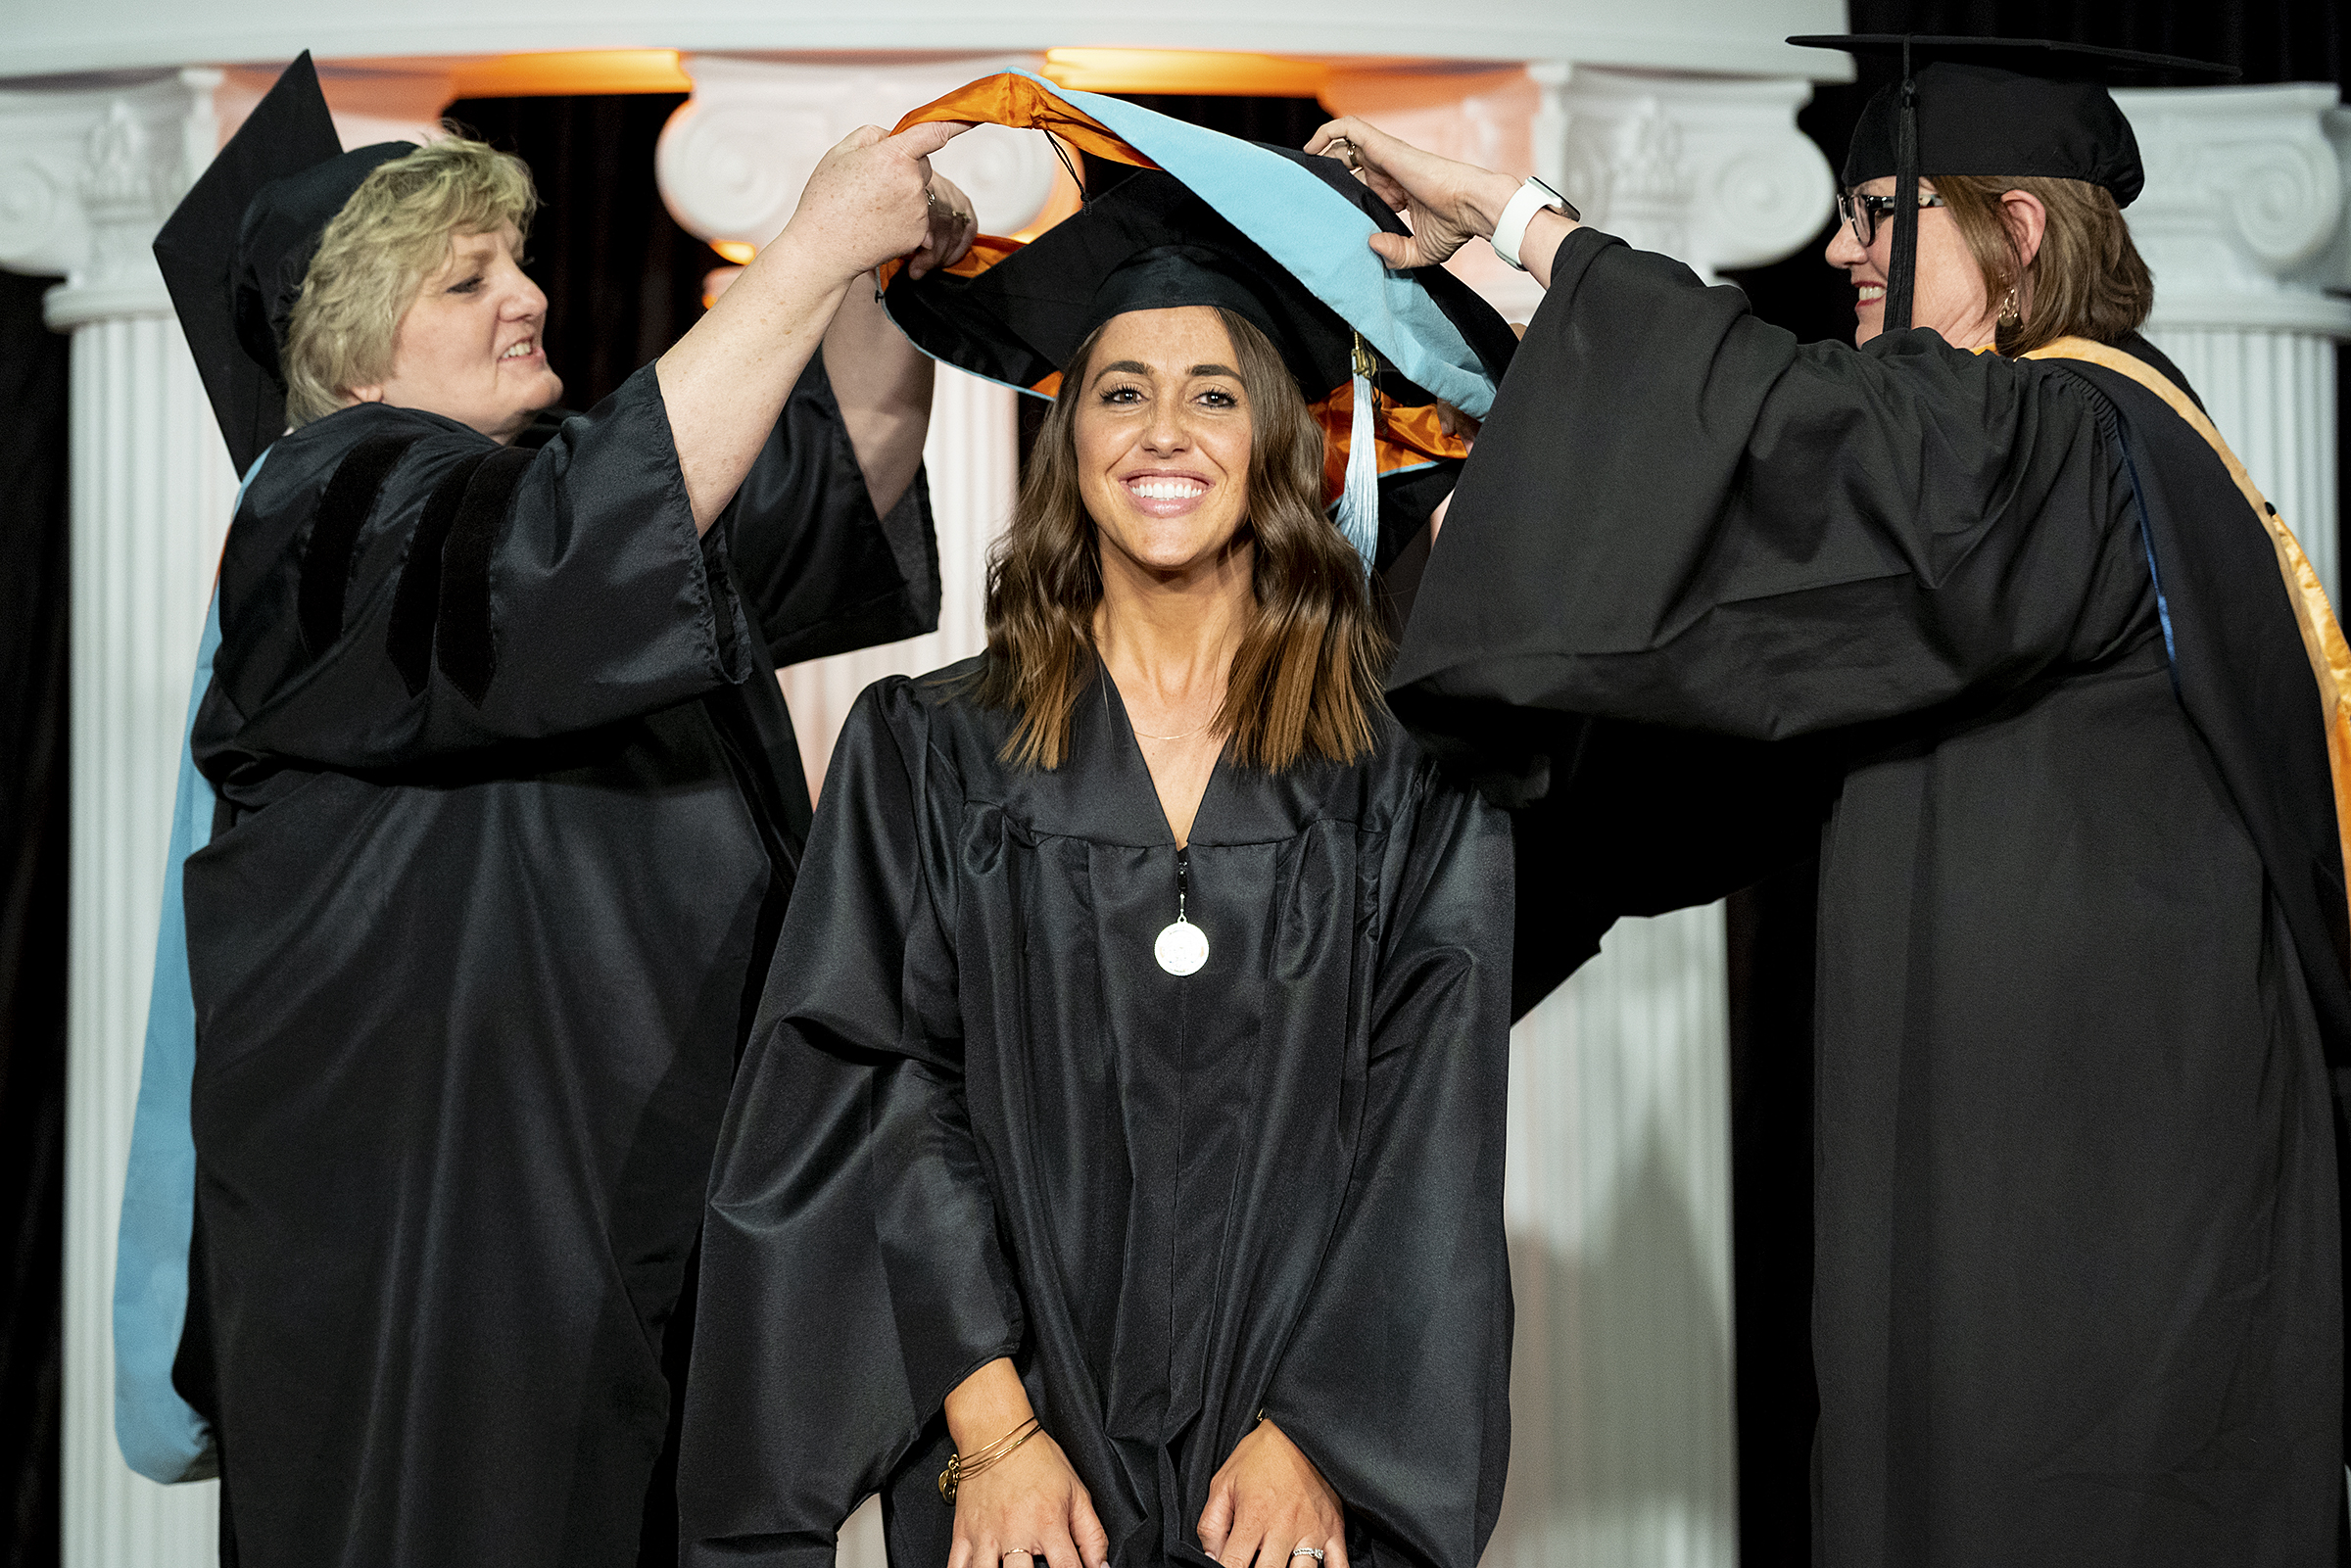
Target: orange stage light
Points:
(574, 71)
(1184, 70)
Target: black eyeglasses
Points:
(1866, 212)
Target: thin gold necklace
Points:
(1187, 736)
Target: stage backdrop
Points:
(623, 280)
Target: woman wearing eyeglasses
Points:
(2081, 925)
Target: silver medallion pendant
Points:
(1181, 948)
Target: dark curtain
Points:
(1771, 924)
(623, 280)
(34, 599)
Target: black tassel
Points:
(1902, 272)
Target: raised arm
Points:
(725, 381)
(1448, 204)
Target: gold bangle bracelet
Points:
(962, 1467)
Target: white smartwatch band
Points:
(1509, 229)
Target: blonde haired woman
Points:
(503, 809)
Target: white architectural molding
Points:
(733, 157)
(2243, 225)
(1741, 36)
(87, 174)
(1711, 171)
(2243, 205)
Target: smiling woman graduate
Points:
(499, 809)
(2079, 707)
(1115, 1173)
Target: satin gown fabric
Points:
(2078, 1293)
(509, 806)
(978, 1119)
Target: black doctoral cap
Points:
(236, 251)
(2014, 108)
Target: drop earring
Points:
(2010, 315)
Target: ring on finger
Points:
(1302, 1551)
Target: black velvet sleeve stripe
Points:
(417, 602)
(343, 511)
(463, 643)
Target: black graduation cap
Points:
(1195, 217)
(2014, 107)
(1148, 242)
(236, 250)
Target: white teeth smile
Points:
(1871, 291)
(1166, 489)
(517, 351)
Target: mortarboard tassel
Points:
(1902, 271)
(1359, 500)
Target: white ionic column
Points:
(2243, 222)
(1618, 1206)
(731, 163)
(85, 179)
(1619, 1159)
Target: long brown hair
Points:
(1306, 676)
(2087, 280)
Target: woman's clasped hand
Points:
(1027, 1505)
(1268, 1502)
(1021, 1503)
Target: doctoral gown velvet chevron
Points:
(978, 1119)
(510, 809)
(2078, 1294)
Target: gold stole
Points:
(2321, 637)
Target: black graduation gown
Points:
(2077, 1297)
(509, 806)
(977, 1119)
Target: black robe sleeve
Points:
(820, 571)
(1678, 515)
(852, 1273)
(399, 589)
(1396, 1380)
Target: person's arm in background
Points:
(725, 382)
(880, 380)
(830, 536)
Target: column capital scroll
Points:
(88, 170)
(2242, 219)
(733, 158)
